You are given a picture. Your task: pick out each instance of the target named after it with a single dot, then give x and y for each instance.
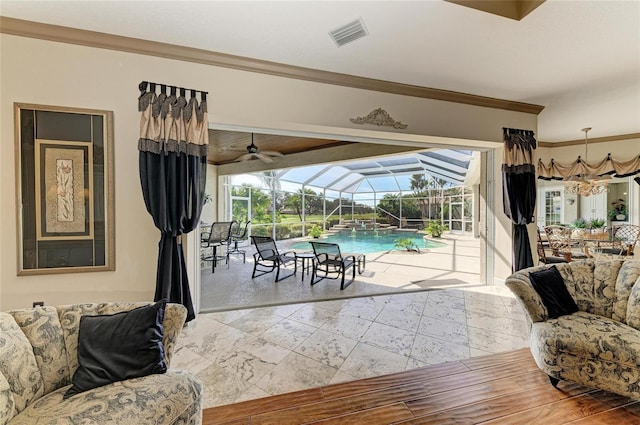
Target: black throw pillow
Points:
(549, 284)
(119, 346)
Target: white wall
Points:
(42, 72)
(209, 211)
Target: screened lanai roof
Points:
(385, 174)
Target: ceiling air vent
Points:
(349, 32)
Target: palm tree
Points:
(269, 179)
(419, 185)
(422, 184)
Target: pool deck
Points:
(454, 265)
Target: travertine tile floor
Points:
(253, 353)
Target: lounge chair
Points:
(330, 264)
(267, 258)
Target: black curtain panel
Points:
(519, 191)
(173, 172)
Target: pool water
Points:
(366, 242)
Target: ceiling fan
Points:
(254, 153)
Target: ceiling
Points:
(388, 174)
(578, 59)
(225, 146)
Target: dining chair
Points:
(542, 255)
(623, 240)
(561, 243)
(205, 231)
(236, 237)
(219, 236)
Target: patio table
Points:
(307, 259)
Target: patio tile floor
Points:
(231, 287)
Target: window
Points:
(552, 207)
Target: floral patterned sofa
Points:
(38, 358)
(599, 345)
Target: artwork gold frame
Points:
(65, 189)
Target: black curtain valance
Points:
(524, 139)
(179, 133)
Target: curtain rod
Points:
(163, 89)
(514, 129)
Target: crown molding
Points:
(594, 140)
(100, 40)
(512, 9)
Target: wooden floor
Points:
(505, 388)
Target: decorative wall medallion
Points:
(379, 117)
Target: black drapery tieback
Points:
(172, 282)
(522, 257)
(523, 139)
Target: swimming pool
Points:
(366, 242)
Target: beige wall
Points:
(41, 72)
(620, 150)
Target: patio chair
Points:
(219, 235)
(267, 258)
(559, 238)
(542, 255)
(330, 264)
(235, 238)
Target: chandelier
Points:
(586, 184)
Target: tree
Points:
(270, 180)
(312, 201)
(391, 204)
(422, 186)
(260, 203)
(419, 185)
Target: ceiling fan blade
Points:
(245, 157)
(272, 153)
(264, 158)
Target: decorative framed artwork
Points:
(64, 187)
